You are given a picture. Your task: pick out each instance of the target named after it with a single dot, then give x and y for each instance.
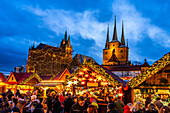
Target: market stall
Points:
(22, 81)
(91, 78)
(153, 82)
(56, 85)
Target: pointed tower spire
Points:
(69, 41)
(65, 35)
(115, 31)
(122, 38)
(107, 40)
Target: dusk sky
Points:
(24, 22)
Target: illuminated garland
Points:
(157, 66)
(96, 68)
(30, 77)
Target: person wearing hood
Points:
(127, 108)
(61, 99)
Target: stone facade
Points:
(46, 60)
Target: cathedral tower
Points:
(115, 52)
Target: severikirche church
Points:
(115, 52)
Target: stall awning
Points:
(49, 83)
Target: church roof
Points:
(79, 59)
(46, 47)
(113, 58)
(123, 67)
(145, 64)
(155, 67)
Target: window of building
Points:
(113, 45)
(113, 51)
(12, 78)
(121, 51)
(106, 53)
(122, 56)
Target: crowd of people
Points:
(61, 103)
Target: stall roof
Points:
(155, 67)
(2, 77)
(49, 83)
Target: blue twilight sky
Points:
(24, 22)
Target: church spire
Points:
(69, 41)
(107, 40)
(122, 38)
(115, 31)
(65, 35)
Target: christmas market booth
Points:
(2, 83)
(95, 80)
(54, 83)
(153, 82)
(22, 81)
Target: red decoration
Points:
(125, 88)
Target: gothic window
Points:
(12, 78)
(113, 45)
(113, 51)
(122, 56)
(106, 53)
(121, 51)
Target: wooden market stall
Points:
(154, 82)
(56, 85)
(2, 83)
(22, 81)
(95, 80)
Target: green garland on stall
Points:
(157, 66)
(96, 68)
(30, 77)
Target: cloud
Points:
(85, 24)
(137, 28)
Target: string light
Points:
(75, 82)
(81, 73)
(90, 79)
(86, 75)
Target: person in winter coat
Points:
(151, 109)
(165, 109)
(127, 108)
(158, 103)
(61, 99)
(68, 104)
(80, 106)
(137, 108)
(112, 108)
(148, 101)
(119, 105)
(49, 103)
(57, 108)
(13, 108)
(92, 109)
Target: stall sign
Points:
(163, 91)
(92, 84)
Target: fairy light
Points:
(86, 75)
(90, 79)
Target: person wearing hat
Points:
(80, 106)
